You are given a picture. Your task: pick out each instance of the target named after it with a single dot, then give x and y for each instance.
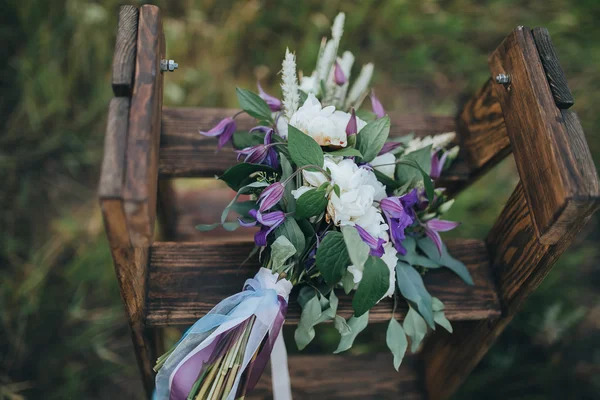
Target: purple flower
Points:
(273, 102)
(400, 215)
(352, 128)
(437, 164)
(338, 75)
(224, 130)
(268, 223)
(376, 105)
(270, 196)
(433, 226)
(376, 245)
(389, 146)
(261, 152)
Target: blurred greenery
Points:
(63, 333)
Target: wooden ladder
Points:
(175, 282)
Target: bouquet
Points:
(340, 207)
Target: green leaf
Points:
(243, 190)
(345, 152)
(366, 115)
(396, 341)
(253, 105)
(290, 229)
(313, 202)
(281, 250)
(413, 289)
(373, 285)
(242, 139)
(305, 294)
(305, 333)
(341, 325)
(357, 248)
(372, 137)
(228, 226)
(440, 318)
(303, 148)
(240, 174)
(437, 305)
(445, 259)
(389, 183)
(332, 258)
(414, 258)
(422, 157)
(415, 327)
(286, 172)
(348, 282)
(337, 190)
(243, 207)
(356, 325)
(427, 182)
(303, 96)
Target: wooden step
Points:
(368, 376)
(186, 280)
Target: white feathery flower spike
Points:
(289, 86)
(337, 30)
(437, 142)
(336, 94)
(330, 53)
(360, 89)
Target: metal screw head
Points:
(503, 78)
(168, 65)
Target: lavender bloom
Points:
(270, 196)
(338, 75)
(437, 164)
(352, 127)
(261, 152)
(432, 227)
(273, 102)
(268, 223)
(376, 105)
(376, 245)
(400, 215)
(224, 130)
(389, 146)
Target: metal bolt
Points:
(168, 65)
(503, 78)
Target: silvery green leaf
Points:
(333, 301)
(348, 282)
(396, 341)
(342, 327)
(442, 321)
(357, 249)
(372, 137)
(305, 294)
(332, 258)
(444, 208)
(414, 258)
(356, 325)
(445, 259)
(286, 172)
(422, 159)
(415, 327)
(437, 305)
(290, 229)
(373, 285)
(413, 289)
(305, 332)
(281, 250)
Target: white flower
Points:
(385, 164)
(289, 87)
(326, 125)
(437, 142)
(282, 125)
(310, 84)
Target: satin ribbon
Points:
(263, 297)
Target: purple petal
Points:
(376, 245)
(389, 146)
(352, 128)
(273, 102)
(410, 199)
(437, 164)
(376, 105)
(435, 237)
(260, 128)
(272, 159)
(338, 75)
(392, 207)
(439, 225)
(246, 224)
(271, 196)
(219, 128)
(271, 219)
(260, 237)
(227, 134)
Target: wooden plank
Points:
(188, 279)
(341, 376)
(112, 173)
(563, 176)
(481, 129)
(123, 67)
(144, 129)
(519, 263)
(554, 72)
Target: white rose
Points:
(326, 125)
(385, 164)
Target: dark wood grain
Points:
(144, 129)
(343, 376)
(123, 67)
(188, 279)
(563, 174)
(112, 174)
(481, 129)
(554, 72)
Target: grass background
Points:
(63, 332)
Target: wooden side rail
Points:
(558, 192)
